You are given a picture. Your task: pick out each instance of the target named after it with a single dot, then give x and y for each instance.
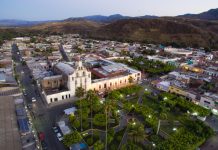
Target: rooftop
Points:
(65, 68)
(9, 134)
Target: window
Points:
(77, 74)
(206, 102)
(72, 78)
(84, 73)
(51, 100)
(105, 85)
(69, 95)
(99, 86)
(48, 82)
(56, 99)
(120, 81)
(76, 82)
(66, 96)
(89, 75)
(62, 97)
(110, 84)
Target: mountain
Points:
(18, 23)
(109, 19)
(166, 30)
(95, 18)
(211, 14)
(175, 31)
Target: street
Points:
(44, 116)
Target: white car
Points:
(60, 138)
(33, 99)
(56, 130)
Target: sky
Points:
(62, 9)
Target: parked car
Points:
(33, 99)
(30, 106)
(24, 93)
(44, 145)
(55, 129)
(59, 136)
(41, 136)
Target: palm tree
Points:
(80, 93)
(136, 132)
(89, 96)
(108, 108)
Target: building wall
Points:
(176, 90)
(52, 83)
(207, 102)
(191, 96)
(114, 83)
(58, 96)
(80, 78)
(163, 87)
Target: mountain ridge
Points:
(211, 14)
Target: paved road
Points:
(45, 116)
(211, 144)
(63, 53)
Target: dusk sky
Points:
(62, 9)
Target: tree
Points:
(89, 96)
(98, 145)
(130, 79)
(80, 93)
(99, 120)
(109, 105)
(72, 138)
(136, 132)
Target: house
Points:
(163, 86)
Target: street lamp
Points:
(165, 98)
(133, 123)
(149, 116)
(174, 129)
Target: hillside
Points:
(178, 32)
(168, 30)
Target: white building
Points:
(76, 75)
(210, 101)
(178, 51)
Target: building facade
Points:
(71, 76)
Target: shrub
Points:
(89, 141)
